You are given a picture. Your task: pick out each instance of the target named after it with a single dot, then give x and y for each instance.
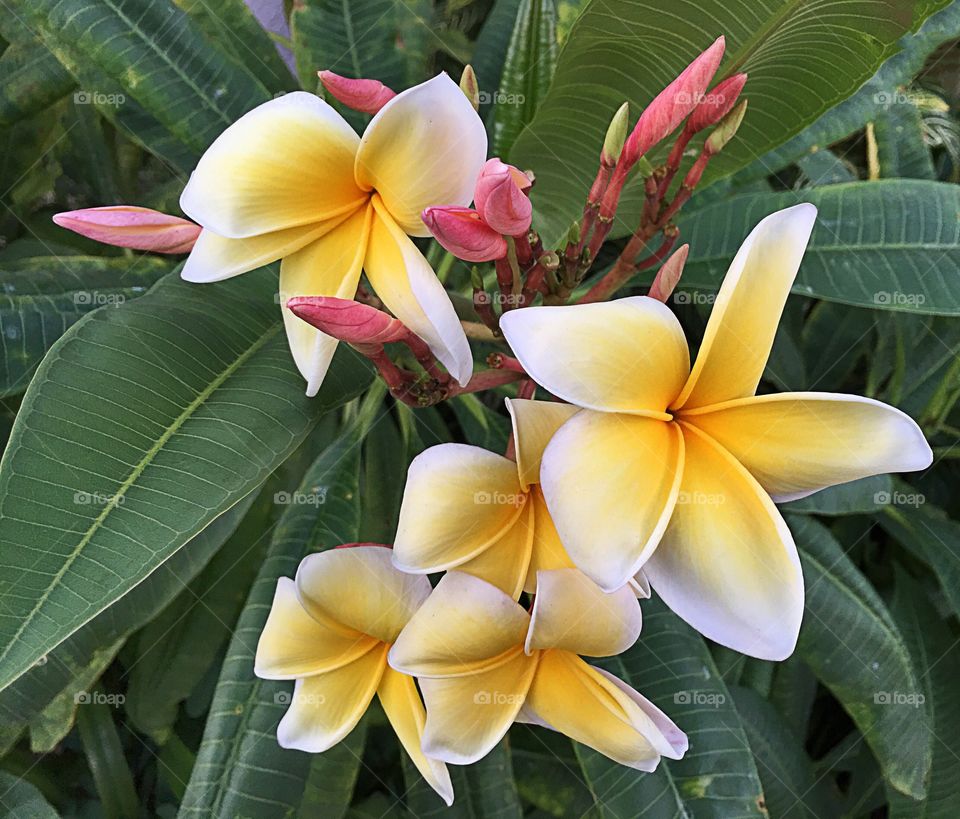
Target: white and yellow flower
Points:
(677, 470)
(330, 630)
(291, 180)
(483, 663)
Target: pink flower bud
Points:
(464, 233)
(131, 226)
(500, 199)
(347, 320)
(717, 103)
(368, 96)
(672, 105)
(669, 275)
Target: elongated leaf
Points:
(491, 50)
(19, 798)
(900, 146)
(789, 784)
(933, 646)
(141, 426)
(110, 770)
(801, 60)
(158, 58)
(891, 245)
(856, 650)
(43, 296)
(530, 62)
(31, 78)
(671, 665)
(74, 665)
(857, 497)
(240, 769)
(824, 167)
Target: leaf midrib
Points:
(118, 497)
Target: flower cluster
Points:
(639, 471)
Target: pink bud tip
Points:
(368, 96)
(669, 275)
(501, 200)
(672, 105)
(349, 321)
(464, 233)
(131, 226)
(717, 103)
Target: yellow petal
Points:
(627, 355)
(739, 334)
(326, 707)
(424, 147)
(797, 443)
(293, 644)
(360, 588)
(411, 291)
(215, 258)
(505, 563)
(468, 716)
(286, 163)
(401, 702)
(547, 552)
(466, 626)
(534, 423)
(573, 613)
(727, 563)
(601, 712)
(458, 501)
(610, 482)
(328, 266)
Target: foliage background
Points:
(157, 440)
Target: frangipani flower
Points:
(483, 662)
(693, 460)
(330, 631)
(467, 508)
(291, 180)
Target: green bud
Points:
(476, 278)
(470, 86)
(616, 136)
(725, 130)
(573, 233)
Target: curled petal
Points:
(347, 320)
(464, 234)
(500, 199)
(425, 147)
(131, 226)
(367, 96)
(534, 424)
(671, 106)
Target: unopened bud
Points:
(476, 278)
(367, 96)
(464, 233)
(549, 261)
(616, 136)
(132, 226)
(725, 131)
(349, 321)
(669, 275)
(470, 87)
(573, 233)
(501, 200)
(717, 103)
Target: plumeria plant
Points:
(460, 456)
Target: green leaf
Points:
(790, 787)
(104, 753)
(671, 666)
(824, 167)
(156, 56)
(39, 696)
(23, 800)
(890, 245)
(384, 475)
(933, 646)
(142, 425)
(491, 50)
(900, 146)
(527, 70)
(800, 62)
(548, 772)
(240, 768)
(856, 650)
(854, 498)
(31, 79)
(485, 788)
(41, 297)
